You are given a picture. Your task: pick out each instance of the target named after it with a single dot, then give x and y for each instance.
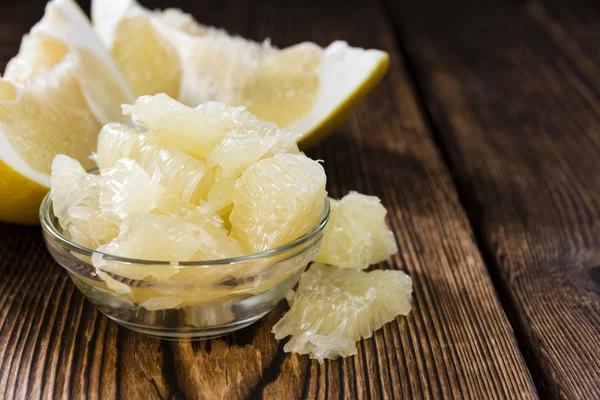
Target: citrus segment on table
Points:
(356, 235)
(333, 308)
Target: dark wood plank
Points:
(457, 343)
(514, 89)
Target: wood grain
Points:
(514, 91)
(457, 342)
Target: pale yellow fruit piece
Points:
(184, 238)
(198, 130)
(161, 238)
(170, 122)
(181, 21)
(63, 30)
(37, 53)
(356, 235)
(196, 214)
(333, 308)
(127, 188)
(161, 303)
(286, 86)
(116, 274)
(277, 200)
(279, 86)
(240, 150)
(75, 200)
(303, 88)
(182, 175)
(223, 245)
(154, 237)
(116, 141)
(53, 98)
(8, 91)
(49, 116)
(150, 63)
(221, 192)
(219, 202)
(70, 185)
(90, 227)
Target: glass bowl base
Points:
(190, 334)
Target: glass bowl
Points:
(193, 300)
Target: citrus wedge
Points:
(303, 88)
(356, 235)
(333, 308)
(181, 174)
(63, 30)
(277, 200)
(76, 203)
(54, 96)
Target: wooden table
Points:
(484, 144)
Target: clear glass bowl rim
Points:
(47, 215)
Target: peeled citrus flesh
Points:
(149, 62)
(65, 25)
(356, 235)
(276, 201)
(259, 192)
(126, 188)
(53, 98)
(155, 237)
(333, 308)
(167, 237)
(303, 88)
(239, 150)
(75, 199)
(230, 139)
(49, 115)
(137, 190)
(134, 204)
(122, 212)
(181, 174)
(196, 131)
(199, 130)
(38, 52)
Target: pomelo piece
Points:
(356, 235)
(54, 96)
(180, 174)
(277, 200)
(127, 188)
(75, 200)
(199, 130)
(194, 130)
(239, 150)
(161, 237)
(333, 308)
(303, 88)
